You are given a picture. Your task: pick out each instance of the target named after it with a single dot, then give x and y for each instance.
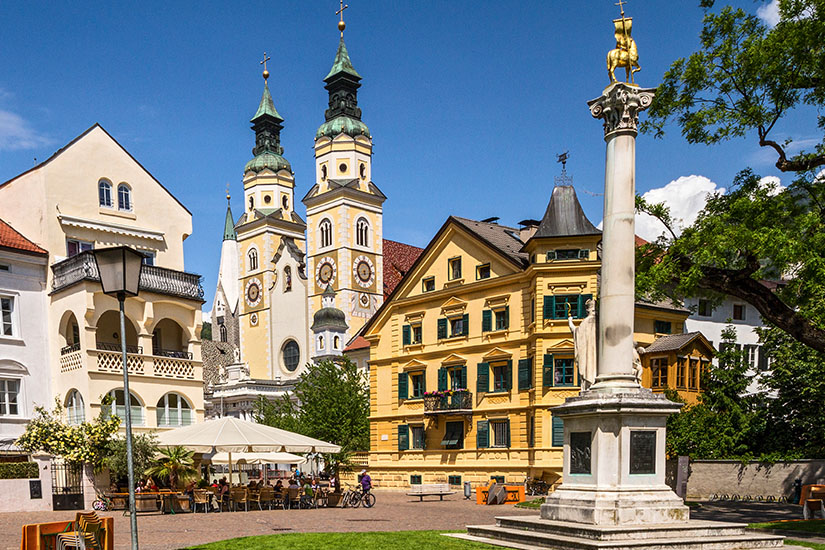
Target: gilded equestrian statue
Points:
(625, 55)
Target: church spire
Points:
(267, 127)
(229, 224)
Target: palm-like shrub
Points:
(175, 464)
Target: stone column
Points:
(619, 107)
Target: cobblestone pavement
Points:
(392, 512)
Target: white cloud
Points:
(685, 197)
(16, 133)
(772, 181)
(769, 13)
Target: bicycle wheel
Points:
(368, 500)
(345, 500)
(355, 501)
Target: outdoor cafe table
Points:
(141, 498)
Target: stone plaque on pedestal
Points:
(642, 452)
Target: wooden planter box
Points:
(333, 499)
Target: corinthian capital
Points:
(619, 107)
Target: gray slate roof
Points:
(501, 237)
(564, 216)
(672, 342)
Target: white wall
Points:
(288, 313)
(24, 355)
(16, 493)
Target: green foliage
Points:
(206, 331)
(175, 464)
(19, 470)
(808, 526)
(84, 443)
(334, 407)
(144, 449)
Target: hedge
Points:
(19, 470)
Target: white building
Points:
(24, 366)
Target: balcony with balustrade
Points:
(108, 360)
(448, 402)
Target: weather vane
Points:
(563, 178)
(341, 24)
(263, 62)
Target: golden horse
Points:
(625, 55)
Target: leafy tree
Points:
(742, 82)
(87, 442)
(723, 422)
(332, 405)
(144, 449)
(206, 331)
(175, 464)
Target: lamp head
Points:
(119, 268)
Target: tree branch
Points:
(786, 165)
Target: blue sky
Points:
(468, 101)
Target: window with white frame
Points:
(148, 257)
(75, 411)
(325, 228)
(124, 197)
(173, 410)
(362, 232)
(252, 256)
(7, 316)
(9, 395)
(118, 407)
(76, 246)
(104, 193)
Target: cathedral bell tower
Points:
(344, 207)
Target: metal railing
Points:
(70, 348)
(82, 267)
(109, 346)
(177, 354)
(448, 401)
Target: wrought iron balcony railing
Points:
(172, 353)
(109, 346)
(82, 267)
(449, 401)
(70, 348)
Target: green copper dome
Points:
(342, 63)
(342, 125)
(267, 159)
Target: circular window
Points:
(267, 199)
(342, 167)
(291, 355)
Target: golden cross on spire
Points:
(266, 73)
(341, 24)
(621, 4)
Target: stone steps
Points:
(523, 533)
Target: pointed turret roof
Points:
(342, 63)
(229, 225)
(564, 216)
(267, 106)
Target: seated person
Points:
(293, 484)
(279, 486)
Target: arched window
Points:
(323, 173)
(362, 232)
(320, 343)
(251, 202)
(224, 336)
(104, 193)
(173, 410)
(336, 342)
(291, 355)
(118, 407)
(124, 197)
(287, 279)
(326, 233)
(75, 411)
(285, 202)
(253, 259)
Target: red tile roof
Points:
(398, 259)
(12, 240)
(359, 343)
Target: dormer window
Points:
(454, 268)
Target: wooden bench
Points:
(430, 490)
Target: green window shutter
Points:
(406, 334)
(483, 378)
(549, 307)
(442, 379)
(507, 317)
(486, 320)
(403, 437)
(464, 377)
(442, 328)
(580, 306)
(483, 434)
(558, 432)
(507, 431)
(465, 330)
(547, 371)
(524, 374)
(403, 385)
(508, 375)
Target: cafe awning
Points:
(255, 458)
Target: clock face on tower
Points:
(253, 292)
(325, 272)
(364, 271)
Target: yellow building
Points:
(473, 349)
(91, 194)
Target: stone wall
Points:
(16, 496)
(730, 477)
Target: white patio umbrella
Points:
(256, 458)
(231, 435)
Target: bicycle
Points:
(351, 498)
(102, 503)
(536, 487)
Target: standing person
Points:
(366, 482)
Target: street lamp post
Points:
(119, 270)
